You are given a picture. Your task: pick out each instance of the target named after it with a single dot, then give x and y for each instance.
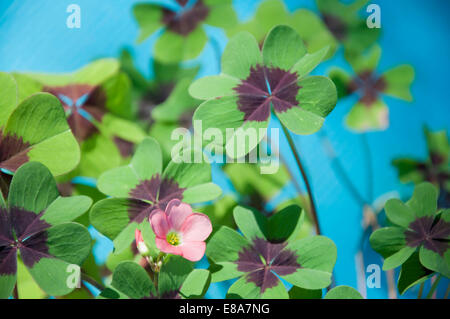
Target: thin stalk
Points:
(15, 292)
(369, 166)
(447, 292)
(419, 295)
(92, 281)
(434, 287)
(304, 176)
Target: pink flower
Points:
(181, 232)
(140, 244)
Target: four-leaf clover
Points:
(36, 222)
(253, 83)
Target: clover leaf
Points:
(177, 279)
(347, 27)
(36, 222)
(142, 186)
(183, 36)
(435, 169)
(370, 112)
(251, 84)
(269, 247)
(306, 23)
(34, 130)
(418, 226)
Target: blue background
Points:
(34, 37)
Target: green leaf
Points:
(201, 193)
(222, 16)
(343, 292)
(309, 62)
(364, 62)
(7, 283)
(412, 273)
(285, 224)
(40, 121)
(317, 95)
(282, 48)
(398, 81)
(250, 222)
(363, 118)
(27, 288)
(146, 162)
(424, 200)
(240, 55)
(224, 245)
(32, 188)
(388, 240)
(172, 47)
(196, 284)
(342, 80)
(435, 262)
(148, 17)
(243, 289)
(210, 87)
(173, 273)
(316, 256)
(399, 213)
(69, 244)
(398, 258)
(132, 280)
(224, 271)
(66, 209)
(301, 293)
(8, 92)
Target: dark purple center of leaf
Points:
(187, 20)
(432, 234)
(265, 87)
(23, 230)
(369, 85)
(336, 26)
(152, 194)
(84, 103)
(13, 151)
(125, 147)
(263, 259)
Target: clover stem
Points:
(15, 292)
(92, 281)
(304, 176)
(419, 295)
(369, 166)
(434, 287)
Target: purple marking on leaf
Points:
(187, 20)
(433, 235)
(336, 26)
(34, 248)
(369, 85)
(158, 192)
(26, 223)
(8, 260)
(13, 151)
(254, 99)
(94, 105)
(6, 235)
(262, 259)
(125, 147)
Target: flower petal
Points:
(167, 248)
(193, 250)
(177, 213)
(196, 227)
(159, 223)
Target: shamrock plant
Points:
(142, 186)
(345, 25)
(418, 226)
(35, 224)
(253, 83)
(268, 250)
(339, 292)
(435, 169)
(370, 112)
(33, 130)
(177, 279)
(306, 23)
(183, 34)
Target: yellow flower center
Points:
(173, 239)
